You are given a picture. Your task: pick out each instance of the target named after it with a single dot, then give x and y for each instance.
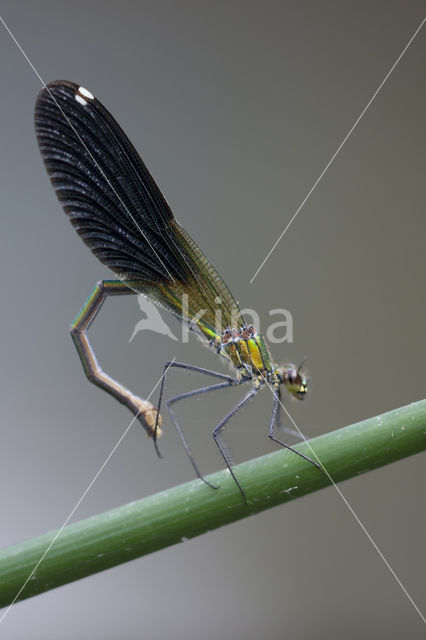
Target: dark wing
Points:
(120, 213)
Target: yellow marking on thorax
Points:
(245, 352)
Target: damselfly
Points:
(119, 212)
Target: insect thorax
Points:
(246, 349)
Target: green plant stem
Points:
(169, 517)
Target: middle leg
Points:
(218, 439)
(191, 394)
(188, 367)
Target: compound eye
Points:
(293, 377)
(295, 383)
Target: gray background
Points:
(236, 108)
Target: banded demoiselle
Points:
(115, 206)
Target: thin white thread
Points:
(351, 509)
(339, 148)
(165, 371)
(80, 500)
(84, 144)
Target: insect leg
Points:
(288, 430)
(189, 367)
(271, 433)
(221, 445)
(189, 394)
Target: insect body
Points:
(115, 206)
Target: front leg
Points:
(143, 410)
(271, 433)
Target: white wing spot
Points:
(80, 99)
(86, 93)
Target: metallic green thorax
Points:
(252, 353)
